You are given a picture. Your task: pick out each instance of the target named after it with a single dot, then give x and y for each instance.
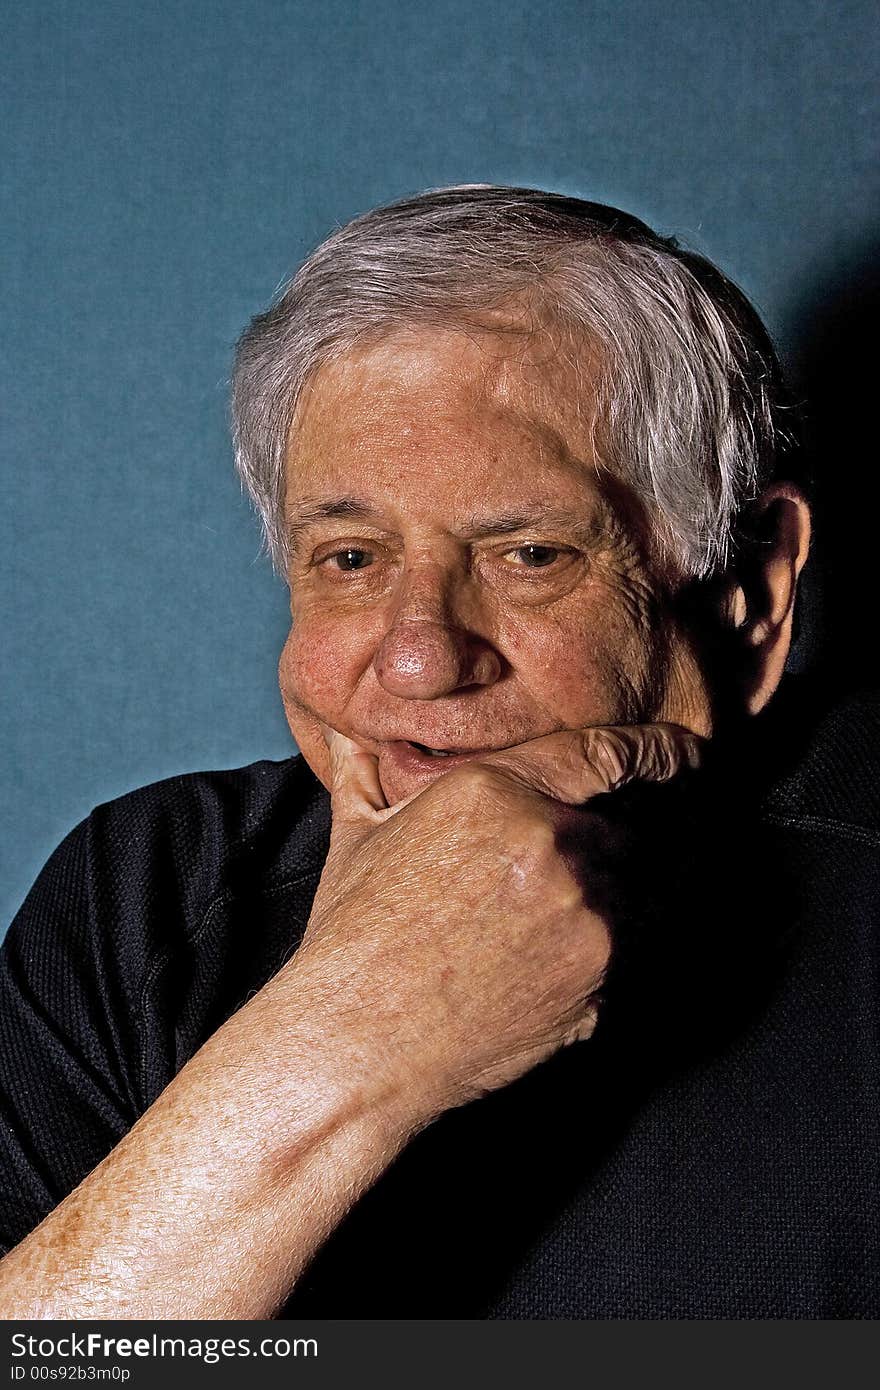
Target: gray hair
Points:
(691, 404)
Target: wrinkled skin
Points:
(486, 590)
(453, 930)
(448, 633)
(465, 578)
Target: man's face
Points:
(461, 576)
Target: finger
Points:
(577, 764)
(355, 790)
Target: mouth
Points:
(446, 752)
(422, 762)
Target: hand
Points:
(457, 937)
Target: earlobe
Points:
(761, 605)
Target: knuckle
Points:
(582, 960)
(660, 757)
(608, 756)
(600, 950)
(584, 1028)
(474, 781)
(539, 839)
(692, 749)
(669, 750)
(531, 855)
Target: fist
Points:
(454, 927)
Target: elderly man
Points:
(295, 1036)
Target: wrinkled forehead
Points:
(524, 393)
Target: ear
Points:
(760, 599)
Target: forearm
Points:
(215, 1201)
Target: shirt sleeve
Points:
(69, 1045)
(152, 922)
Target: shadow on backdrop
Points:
(834, 375)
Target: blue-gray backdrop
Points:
(166, 165)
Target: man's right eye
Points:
(350, 559)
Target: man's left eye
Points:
(535, 556)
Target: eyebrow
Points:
(476, 528)
(308, 513)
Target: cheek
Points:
(597, 665)
(318, 672)
(320, 666)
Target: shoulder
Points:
(264, 819)
(141, 872)
(828, 761)
(164, 908)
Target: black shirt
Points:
(711, 1152)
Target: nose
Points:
(425, 653)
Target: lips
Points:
(442, 752)
(445, 752)
(428, 751)
(405, 767)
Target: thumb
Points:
(356, 795)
